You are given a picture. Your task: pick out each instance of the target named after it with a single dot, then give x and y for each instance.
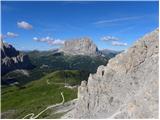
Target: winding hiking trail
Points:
(33, 116)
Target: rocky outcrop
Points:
(11, 59)
(127, 87)
(82, 46)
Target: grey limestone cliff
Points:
(81, 46)
(127, 87)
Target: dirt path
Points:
(33, 116)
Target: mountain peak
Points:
(80, 46)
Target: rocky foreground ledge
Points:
(127, 87)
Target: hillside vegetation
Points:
(37, 95)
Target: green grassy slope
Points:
(72, 77)
(37, 95)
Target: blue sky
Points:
(111, 25)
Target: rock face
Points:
(11, 59)
(82, 46)
(127, 87)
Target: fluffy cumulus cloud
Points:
(109, 38)
(8, 35)
(24, 25)
(11, 35)
(49, 40)
(115, 43)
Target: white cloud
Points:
(35, 38)
(8, 35)
(24, 25)
(109, 38)
(11, 35)
(117, 20)
(49, 40)
(115, 43)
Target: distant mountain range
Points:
(109, 53)
(81, 54)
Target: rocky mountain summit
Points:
(127, 87)
(11, 59)
(81, 46)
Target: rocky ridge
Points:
(127, 87)
(11, 59)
